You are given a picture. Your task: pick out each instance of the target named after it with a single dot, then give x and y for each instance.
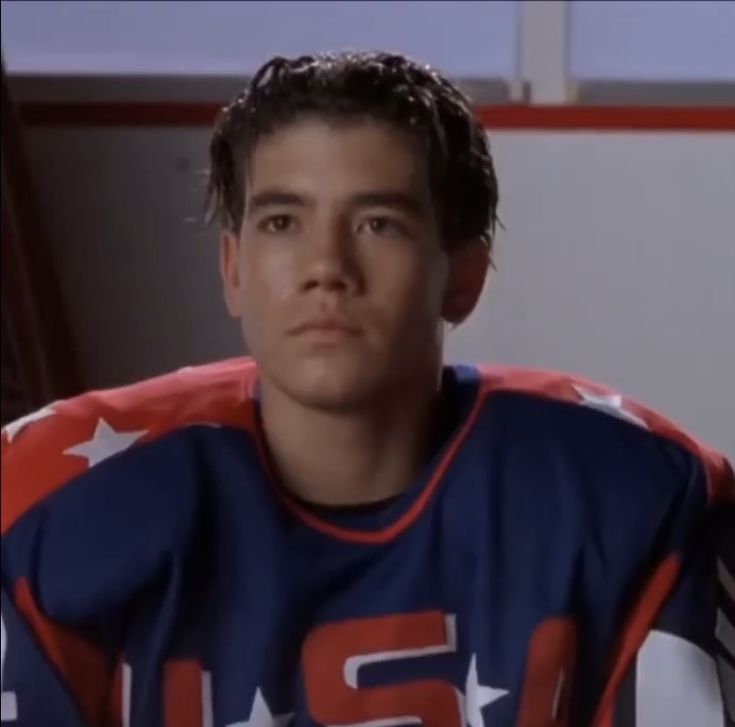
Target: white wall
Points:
(617, 262)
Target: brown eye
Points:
(277, 224)
(383, 227)
(379, 225)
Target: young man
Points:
(345, 532)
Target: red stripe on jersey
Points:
(82, 667)
(34, 465)
(375, 537)
(182, 693)
(330, 682)
(634, 634)
(722, 478)
(547, 685)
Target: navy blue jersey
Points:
(565, 559)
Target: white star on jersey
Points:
(261, 716)
(11, 430)
(609, 404)
(105, 443)
(477, 696)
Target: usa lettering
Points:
(333, 656)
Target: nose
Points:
(331, 264)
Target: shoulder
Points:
(48, 449)
(584, 421)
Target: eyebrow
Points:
(277, 197)
(274, 198)
(394, 199)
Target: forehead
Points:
(330, 158)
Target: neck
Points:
(349, 458)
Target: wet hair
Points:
(356, 86)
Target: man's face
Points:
(338, 274)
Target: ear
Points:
(468, 267)
(229, 258)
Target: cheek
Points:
(267, 288)
(268, 279)
(425, 280)
(412, 290)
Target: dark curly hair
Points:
(382, 86)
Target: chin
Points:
(334, 385)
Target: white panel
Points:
(8, 700)
(127, 690)
(543, 53)
(207, 705)
(677, 684)
(463, 38)
(653, 40)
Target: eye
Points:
(278, 224)
(383, 227)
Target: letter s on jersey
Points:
(333, 655)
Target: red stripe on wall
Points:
(519, 117)
(610, 118)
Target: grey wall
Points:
(137, 266)
(201, 38)
(646, 39)
(652, 40)
(617, 262)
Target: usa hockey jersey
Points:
(565, 559)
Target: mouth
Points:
(326, 329)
